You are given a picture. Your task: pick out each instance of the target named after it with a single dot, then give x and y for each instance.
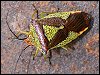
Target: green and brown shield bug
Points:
(59, 29)
(55, 30)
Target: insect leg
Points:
(36, 52)
(19, 57)
(50, 56)
(65, 48)
(58, 9)
(70, 45)
(35, 12)
(33, 15)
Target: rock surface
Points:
(83, 60)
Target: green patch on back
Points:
(71, 36)
(33, 37)
(63, 15)
(51, 30)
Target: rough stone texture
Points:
(83, 60)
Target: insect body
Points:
(57, 29)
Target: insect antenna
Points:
(36, 11)
(20, 56)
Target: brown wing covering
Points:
(59, 36)
(78, 22)
(75, 22)
(54, 21)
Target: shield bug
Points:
(55, 30)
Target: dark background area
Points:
(83, 60)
